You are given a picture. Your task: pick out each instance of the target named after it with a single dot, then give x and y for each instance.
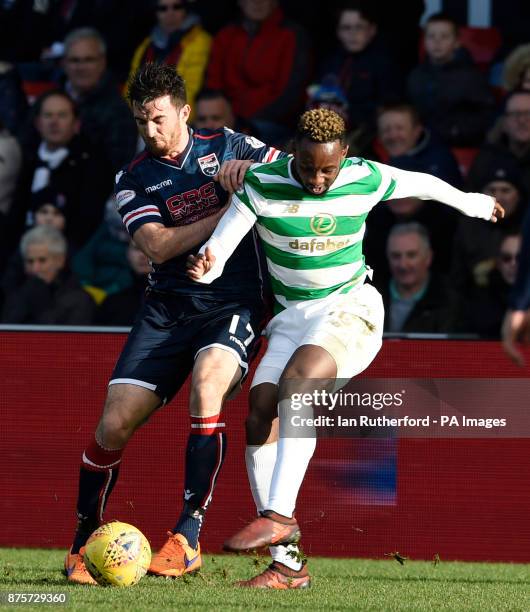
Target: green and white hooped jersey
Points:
(313, 244)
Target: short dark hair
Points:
(400, 107)
(443, 18)
(321, 125)
(363, 7)
(152, 81)
(211, 94)
(51, 93)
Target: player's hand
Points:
(498, 212)
(515, 328)
(232, 173)
(198, 265)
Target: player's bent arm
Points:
(428, 187)
(162, 243)
(232, 228)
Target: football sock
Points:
(97, 476)
(205, 453)
(260, 462)
(292, 460)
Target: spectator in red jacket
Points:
(262, 64)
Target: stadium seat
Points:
(465, 157)
(33, 89)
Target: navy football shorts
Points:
(170, 331)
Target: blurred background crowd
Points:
(435, 86)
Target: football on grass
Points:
(117, 554)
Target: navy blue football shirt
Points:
(181, 191)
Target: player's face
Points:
(162, 126)
(506, 194)
(517, 118)
(398, 132)
(409, 260)
(39, 262)
(85, 64)
(354, 32)
(49, 215)
(213, 114)
(441, 42)
(56, 122)
(316, 165)
(508, 258)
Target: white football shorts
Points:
(349, 326)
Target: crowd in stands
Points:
(414, 96)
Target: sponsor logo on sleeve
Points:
(124, 197)
(209, 164)
(254, 142)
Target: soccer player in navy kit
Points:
(170, 202)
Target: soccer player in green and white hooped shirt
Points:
(310, 213)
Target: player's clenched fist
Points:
(198, 265)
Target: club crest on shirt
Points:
(209, 164)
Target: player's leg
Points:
(222, 350)
(152, 366)
(343, 340)
(287, 569)
(126, 408)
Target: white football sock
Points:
(292, 459)
(260, 462)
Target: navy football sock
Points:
(205, 453)
(97, 476)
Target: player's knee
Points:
(114, 431)
(206, 397)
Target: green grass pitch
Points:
(338, 584)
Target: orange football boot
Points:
(176, 557)
(268, 529)
(279, 576)
(75, 568)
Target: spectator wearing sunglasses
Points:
(488, 305)
(177, 39)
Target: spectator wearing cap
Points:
(50, 294)
(66, 163)
(177, 39)
(487, 305)
(106, 119)
(101, 265)
(263, 64)
(476, 244)
(361, 66)
(451, 94)
(122, 307)
(416, 299)
(509, 140)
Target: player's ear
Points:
(344, 151)
(185, 112)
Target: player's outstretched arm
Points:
(209, 263)
(428, 187)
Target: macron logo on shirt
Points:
(158, 186)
